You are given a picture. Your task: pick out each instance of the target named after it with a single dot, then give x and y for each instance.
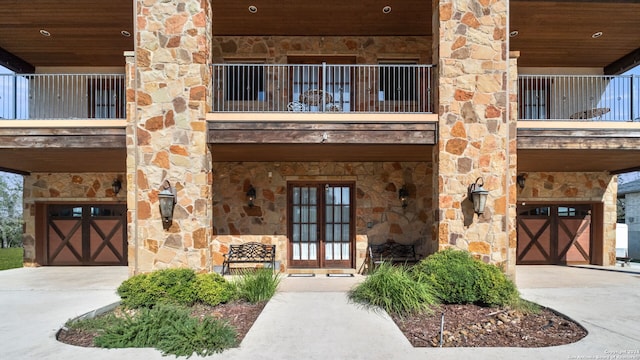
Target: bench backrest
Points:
(252, 251)
(392, 250)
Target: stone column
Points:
(475, 136)
(166, 137)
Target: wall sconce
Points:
(478, 195)
(251, 195)
(167, 199)
(520, 179)
(116, 186)
(403, 195)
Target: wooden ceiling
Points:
(88, 33)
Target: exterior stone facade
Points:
(475, 138)
(560, 187)
(379, 215)
(366, 50)
(167, 134)
(63, 188)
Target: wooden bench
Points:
(252, 252)
(391, 252)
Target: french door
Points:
(320, 225)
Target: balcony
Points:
(62, 96)
(322, 88)
(604, 98)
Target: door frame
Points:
(321, 262)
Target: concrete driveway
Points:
(312, 319)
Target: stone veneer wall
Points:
(366, 49)
(167, 134)
(594, 187)
(474, 129)
(377, 203)
(63, 188)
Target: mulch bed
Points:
(475, 326)
(464, 326)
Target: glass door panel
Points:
(321, 239)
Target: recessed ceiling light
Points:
(253, 9)
(125, 33)
(596, 34)
(514, 33)
(44, 32)
(386, 9)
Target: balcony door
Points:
(322, 83)
(320, 225)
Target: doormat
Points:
(302, 275)
(339, 275)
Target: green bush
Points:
(494, 288)
(138, 291)
(213, 289)
(259, 285)
(171, 330)
(168, 286)
(393, 289)
(458, 278)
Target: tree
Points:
(10, 210)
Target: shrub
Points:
(494, 288)
(452, 273)
(137, 291)
(394, 290)
(168, 286)
(458, 278)
(171, 330)
(257, 286)
(213, 289)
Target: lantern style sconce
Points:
(478, 195)
(167, 199)
(403, 195)
(116, 186)
(251, 195)
(520, 179)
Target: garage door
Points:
(91, 234)
(554, 234)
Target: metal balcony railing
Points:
(579, 97)
(389, 88)
(62, 96)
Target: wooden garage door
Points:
(86, 235)
(554, 234)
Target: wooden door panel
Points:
(65, 242)
(574, 238)
(534, 241)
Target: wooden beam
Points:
(15, 63)
(625, 139)
(623, 64)
(14, 171)
(321, 133)
(36, 138)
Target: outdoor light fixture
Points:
(116, 186)
(520, 179)
(167, 199)
(251, 195)
(478, 195)
(403, 195)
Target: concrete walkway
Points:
(311, 318)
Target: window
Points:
(398, 81)
(244, 82)
(106, 98)
(533, 98)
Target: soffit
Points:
(551, 33)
